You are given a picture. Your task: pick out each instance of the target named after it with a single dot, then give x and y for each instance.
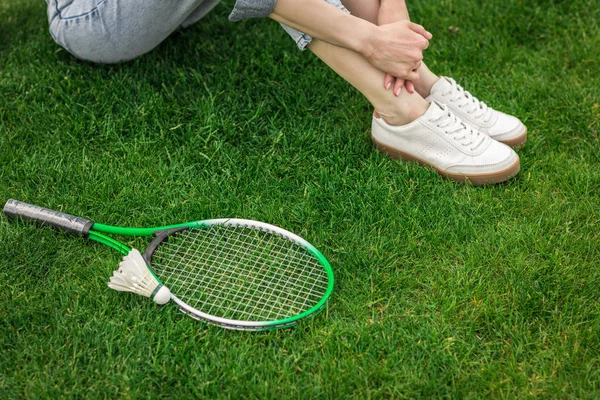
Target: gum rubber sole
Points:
(517, 142)
(474, 179)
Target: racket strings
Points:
(244, 304)
(281, 287)
(241, 273)
(276, 280)
(294, 261)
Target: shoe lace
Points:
(467, 101)
(452, 125)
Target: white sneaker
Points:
(441, 140)
(499, 126)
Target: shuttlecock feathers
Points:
(134, 276)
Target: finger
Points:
(418, 43)
(388, 81)
(410, 87)
(416, 56)
(398, 86)
(421, 43)
(420, 30)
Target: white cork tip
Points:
(162, 296)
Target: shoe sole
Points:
(517, 142)
(474, 179)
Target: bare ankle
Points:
(403, 117)
(426, 81)
(395, 120)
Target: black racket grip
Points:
(45, 216)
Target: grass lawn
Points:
(442, 290)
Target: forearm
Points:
(325, 22)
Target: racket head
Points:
(241, 274)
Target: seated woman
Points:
(370, 43)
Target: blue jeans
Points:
(112, 31)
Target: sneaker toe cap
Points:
(506, 127)
(496, 157)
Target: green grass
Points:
(443, 290)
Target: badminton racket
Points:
(236, 273)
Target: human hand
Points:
(398, 84)
(397, 49)
(390, 12)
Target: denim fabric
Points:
(112, 31)
(302, 39)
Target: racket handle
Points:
(66, 222)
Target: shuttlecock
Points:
(134, 276)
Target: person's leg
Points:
(410, 127)
(414, 130)
(365, 9)
(370, 10)
(395, 110)
(112, 31)
(200, 12)
(498, 125)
